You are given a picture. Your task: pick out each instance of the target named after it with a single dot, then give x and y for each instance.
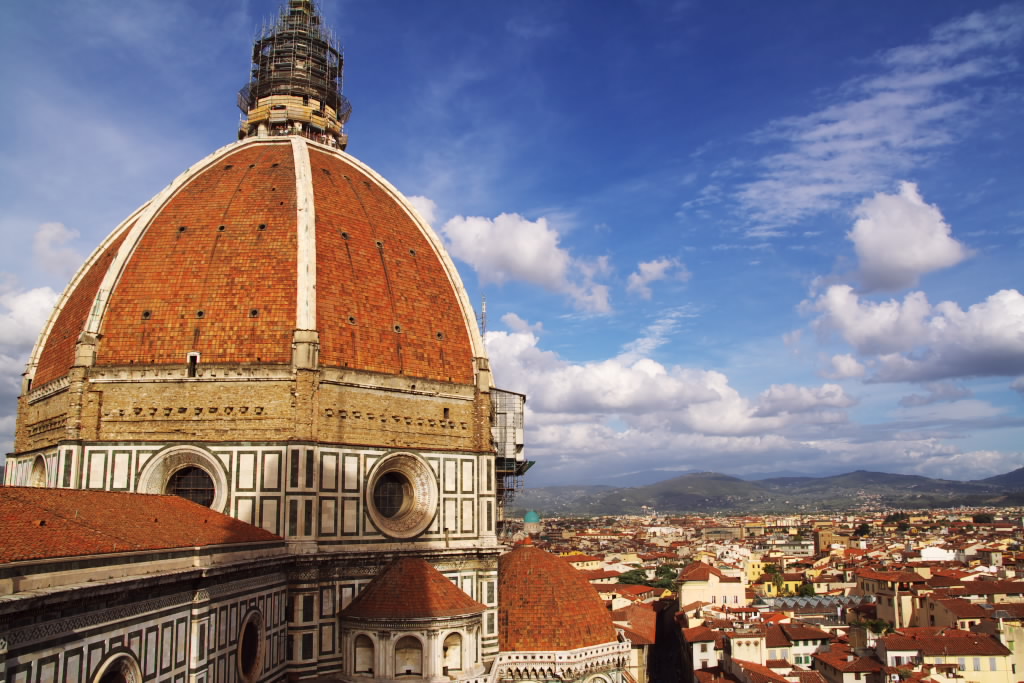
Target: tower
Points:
(280, 336)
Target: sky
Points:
(750, 238)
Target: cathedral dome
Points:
(266, 243)
(544, 604)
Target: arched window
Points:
(120, 667)
(408, 657)
(363, 655)
(452, 653)
(192, 483)
(38, 476)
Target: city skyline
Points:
(752, 241)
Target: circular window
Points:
(250, 646)
(194, 484)
(402, 495)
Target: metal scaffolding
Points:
(295, 83)
(507, 434)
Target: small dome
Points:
(531, 517)
(546, 605)
(411, 589)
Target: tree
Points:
(806, 589)
(635, 577)
(862, 530)
(982, 518)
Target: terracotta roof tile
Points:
(411, 588)
(544, 604)
(40, 523)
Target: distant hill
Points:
(1011, 480)
(711, 492)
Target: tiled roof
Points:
(642, 620)
(215, 270)
(41, 523)
(544, 604)
(758, 673)
(411, 588)
(963, 643)
(698, 634)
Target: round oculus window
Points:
(251, 638)
(193, 483)
(402, 495)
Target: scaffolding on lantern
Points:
(296, 79)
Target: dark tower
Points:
(296, 80)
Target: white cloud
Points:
(872, 327)
(937, 392)
(655, 335)
(883, 124)
(844, 366)
(51, 251)
(915, 341)
(517, 324)
(651, 271)
(22, 316)
(426, 207)
(790, 398)
(899, 238)
(1018, 385)
(510, 247)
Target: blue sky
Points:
(731, 236)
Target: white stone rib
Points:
(305, 304)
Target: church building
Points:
(279, 350)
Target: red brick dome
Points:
(544, 605)
(264, 238)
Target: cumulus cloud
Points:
(937, 392)
(790, 398)
(899, 238)
(51, 251)
(22, 315)
(1018, 385)
(651, 271)
(915, 341)
(517, 324)
(844, 366)
(426, 207)
(511, 247)
(632, 413)
(881, 124)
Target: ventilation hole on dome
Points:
(200, 314)
(220, 228)
(344, 235)
(351, 320)
(254, 313)
(398, 328)
(146, 315)
(326, 172)
(273, 189)
(380, 245)
(252, 165)
(274, 165)
(280, 203)
(182, 228)
(440, 336)
(228, 167)
(412, 252)
(263, 226)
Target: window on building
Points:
(977, 663)
(992, 665)
(391, 494)
(193, 483)
(703, 647)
